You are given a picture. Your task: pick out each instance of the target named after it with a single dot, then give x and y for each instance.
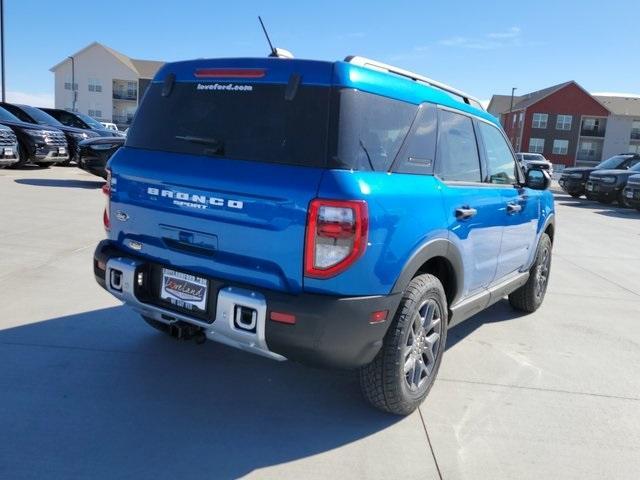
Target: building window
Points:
(540, 120)
(536, 145)
(514, 117)
(563, 122)
(521, 118)
(634, 148)
(560, 147)
(635, 130)
(95, 85)
(67, 86)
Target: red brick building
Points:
(564, 123)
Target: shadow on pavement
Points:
(45, 182)
(499, 312)
(101, 395)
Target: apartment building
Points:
(563, 122)
(623, 124)
(104, 83)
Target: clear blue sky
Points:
(482, 47)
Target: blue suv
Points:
(343, 214)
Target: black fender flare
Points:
(439, 247)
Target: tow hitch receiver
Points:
(185, 331)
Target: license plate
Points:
(62, 151)
(184, 290)
(629, 193)
(8, 152)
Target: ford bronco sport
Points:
(343, 214)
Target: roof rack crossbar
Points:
(374, 64)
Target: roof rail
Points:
(375, 65)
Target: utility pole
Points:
(513, 139)
(4, 92)
(74, 94)
(513, 91)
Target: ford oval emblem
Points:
(122, 216)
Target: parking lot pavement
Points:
(87, 390)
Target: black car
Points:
(36, 143)
(95, 153)
(78, 120)
(35, 115)
(606, 186)
(574, 180)
(632, 192)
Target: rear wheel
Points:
(529, 297)
(403, 372)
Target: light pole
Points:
(4, 93)
(513, 139)
(513, 90)
(74, 94)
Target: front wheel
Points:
(576, 195)
(622, 200)
(529, 297)
(403, 372)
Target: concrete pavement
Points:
(87, 390)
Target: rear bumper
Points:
(328, 331)
(92, 164)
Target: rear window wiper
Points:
(214, 142)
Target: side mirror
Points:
(537, 179)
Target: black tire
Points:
(22, 155)
(605, 200)
(415, 340)
(576, 195)
(622, 201)
(530, 296)
(43, 164)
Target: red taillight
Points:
(379, 316)
(106, 189)
(229, 73)
(281, 317)
(336, 236)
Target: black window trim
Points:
(485, 177)
(459, 183)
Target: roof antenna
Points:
(275, 52)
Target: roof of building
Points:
(621, 105)
(534, 97)
(501, 103)
(144, 68)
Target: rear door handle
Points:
(463, 213)
(514, 208)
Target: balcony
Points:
(124, 95)
(122, 119)
(592, 132)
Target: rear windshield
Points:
(312, 126)
(250, 122)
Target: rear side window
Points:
(501, 167)
(457, 157)
(419, 149)
(248, 122)
(371, 130)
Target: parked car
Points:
(632, 192)
(243, 210)
(110, 126)
(36, 143)
(35, 115)
(79, 120)
(8, 147)
(607, 186)
(95, 153)
(535, 160)
(574, 180)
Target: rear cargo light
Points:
(106, 189)
(336, 236)
(229, 73)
